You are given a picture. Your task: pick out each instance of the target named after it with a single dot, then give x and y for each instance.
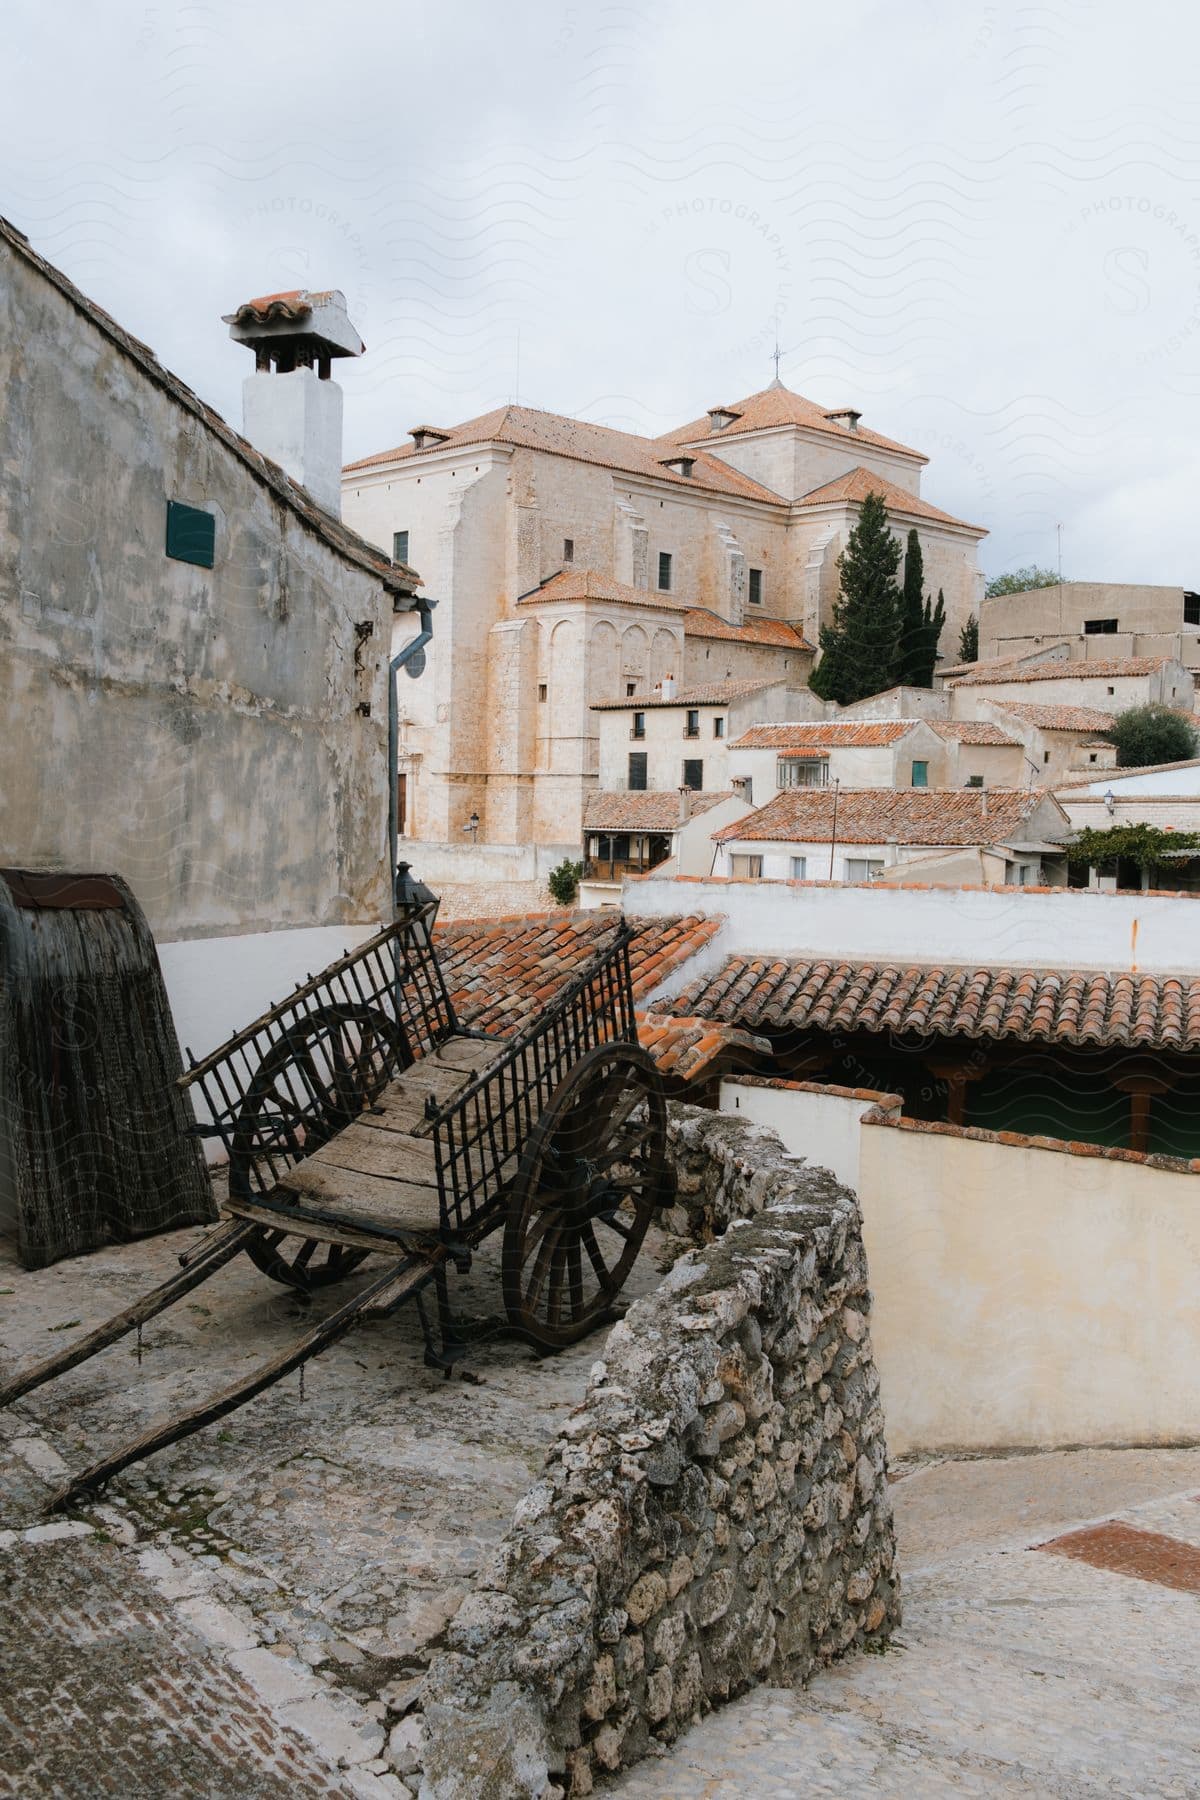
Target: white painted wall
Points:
(819, 1124)
(1183, 779)
(1065, 927)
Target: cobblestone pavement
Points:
(251, 1609)
(1014, 1673)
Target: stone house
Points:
(868, 753)
(1095, 619)
(1165, 795)
(679, 736)
(1004, 836)
(1109, 685)
(632, 833)
(193, 661)
(574, 564)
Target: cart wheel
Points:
(594, 1169)
(311, 1084)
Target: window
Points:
(693, 773)
(664, 571)
(863, 868)
(630, 688)
(755, 594)
(718, 728)
(1110, 690)
(1020, 874)
(191, 534)
(799, 868)
(920, 774)
(691, 726)
(639, 725)
(801, 772)
(637, 770)
(1091, 756)
(1100, 627)
(1191, 609)
(541, 690)
(975, 781)
(568, 549)
(400, 546)
(746, 866)
(1046, 753)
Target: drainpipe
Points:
(424, 609)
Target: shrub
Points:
(1151, 734)
(563, 882)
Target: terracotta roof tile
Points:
(497, 969)
(774, 406)
(649, 809)
(1116, 668)
(972, 731)
(1032, 1005)
(589, 584)
(853, 488)
(688, 1050)
(527, 427)
(931, 816)
(831, 734)
(1058, 718)
(699, 622)
(712, 693)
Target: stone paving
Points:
(273, 1587)
(1013, 1673)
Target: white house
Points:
(679, 736)
(632, 833)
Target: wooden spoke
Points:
(595, 1164)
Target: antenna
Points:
(517, 394)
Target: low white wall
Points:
(819, 1124)
(1029, 1296)
(480, 863)
(947, 925)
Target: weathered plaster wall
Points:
(716, 1513)
(196, 730)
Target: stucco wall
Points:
(195, 730)
(1025, 1295)
(820, 1122)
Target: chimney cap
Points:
(721, 416)
(679, 465)
(425, 435)
(296, 316)
(849, 415)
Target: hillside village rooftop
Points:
(888, 815)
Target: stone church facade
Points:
(574, 564)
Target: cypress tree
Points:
(914, 619)
(932, 620)
(968, 641)
(859, 649)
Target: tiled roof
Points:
(686, 1049)
(831, 734)
(712, 693)
(528, 428)
(589, 584)
(1117, 668)
(699, 622)
(295, 303)
(1110, 775)
(972, 731)
(498, 970)
(1049, 653)
(853, 488)
(1059, 718)
(1055, 1006)
(397, 578)
(888, 815)
(647, 809)
(774, 406)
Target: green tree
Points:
(1144, 845)
(968, 641)
(1151, 734)
(859, 648)
(920, 621)
(1019, 581)
(563, 881)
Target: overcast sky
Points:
(978, 223)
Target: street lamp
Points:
(415, 903)
(472, 825)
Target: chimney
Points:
(845, 416)
(667, 687)
(685, 805)
(291, 409)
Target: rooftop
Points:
(397, 578)
(1055, 1006)
(857, 483)
(775, 634)
(590, 584)
(712, 693)
(1059, 718)
(776, 406)
(973, 731)
(528, 428)
(648, 809)
(824, 734)
(1118, 668)
(932, 816)
(498, 970)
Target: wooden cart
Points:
(361, 1119)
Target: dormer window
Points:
(846, 417)
(720, 416)
(679, 465)
(424, 437)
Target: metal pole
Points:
(833, 830)
(424, 609)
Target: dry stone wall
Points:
(716, 1512)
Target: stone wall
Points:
(716, 1512)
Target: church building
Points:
(574, 564)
